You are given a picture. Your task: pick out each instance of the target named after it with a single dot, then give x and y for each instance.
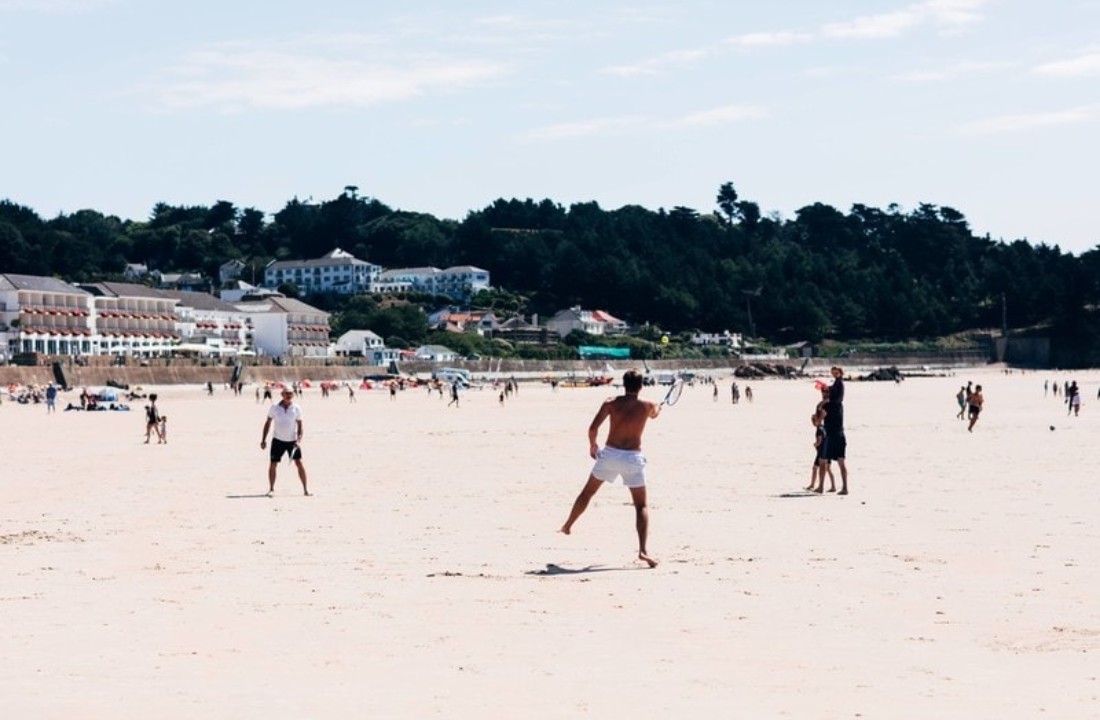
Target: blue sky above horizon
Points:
(991, 107)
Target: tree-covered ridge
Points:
(867, 273)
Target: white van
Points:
(451, 375)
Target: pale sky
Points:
(991, 107)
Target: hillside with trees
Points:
(867, 273)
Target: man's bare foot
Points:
(652, 562)
(832, 489)
(820, 489)
(565, 530)
(307, 493)
(843, 491)
(270, 493)
(808, 487)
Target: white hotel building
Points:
(459, 283)
(337, 271)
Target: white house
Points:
(593, 322)
(358, 342)
(482, 322)
(229, 271)
(336, 271)
(436, 353)
(285, 326)
(385, 356)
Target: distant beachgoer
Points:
(975, 403)
(210, 388)
(51, 398)
(267, 392)
(620, 456)
(163, 430)
(960, 398)
(748, 393)
(393, 390)
(454, 394)
(821, 455)
(837, 442)
(152, 419)
(351, 393)
(286, 417)
(1073, 399)
(716, 392)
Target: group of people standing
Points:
(830, 443)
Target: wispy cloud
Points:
(721, 116)
(1032, 121)
(953, 71)
(344, 70)
(873, 26)
(1084, 65)
(771, 39)
(55, 7)
(660, 63)
(584, 128)
(945, 15)
(639, 124)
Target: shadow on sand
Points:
(553, 569)
(246, 497)
(799, 494)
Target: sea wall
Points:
(174, 371)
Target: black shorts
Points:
(975, 410)
(836, 446)
(278, 447)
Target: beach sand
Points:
(426, 576)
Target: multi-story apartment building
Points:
(337, 271)
(284, 326)
(131, 319)
(459, 283)
(45, 315)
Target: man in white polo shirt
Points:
(286, 416)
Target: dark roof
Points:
(117, 289)
(200, 301)
(38, 283)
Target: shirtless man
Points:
(620, 456)
(975, 402)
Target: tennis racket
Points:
(674, 392)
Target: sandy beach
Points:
(426, 576)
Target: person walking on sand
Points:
(152, 419)
(975, 404)
(1073, 399)
(286, 417)
(960, 398)
(620, 456)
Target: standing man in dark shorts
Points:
(620, 456)
(286, 416)
(975, 403)
(837, 446)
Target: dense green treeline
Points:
(868, 273)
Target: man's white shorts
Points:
(612, 463)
